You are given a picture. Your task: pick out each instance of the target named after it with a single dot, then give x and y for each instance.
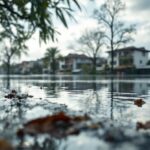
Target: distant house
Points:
(26, 66)
(74, 62)
(61, 65)
(129, 58)
(31, 67)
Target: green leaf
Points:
(61, 17)
(77, 4)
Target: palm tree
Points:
(51, 57)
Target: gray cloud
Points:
(137, 11)
(141, 5)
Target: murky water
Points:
(100, 97)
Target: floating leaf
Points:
(144, 126)
(4, 145)
(81, 118)
(30, 96)
(13, 94)
(139, 102)
(58, 125)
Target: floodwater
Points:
(100, 97)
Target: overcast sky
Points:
(137, 11)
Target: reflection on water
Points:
(47, 143)
(93, 95)
(97, 96)
(112, 97)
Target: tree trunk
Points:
(112, 48)
(94, 66)
(112, 59)
(8, 74)
(53, 66)
(112, 99)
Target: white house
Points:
(129, 57)
(26, 66)
(74, 62)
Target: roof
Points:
(76, 56)
(131, 48)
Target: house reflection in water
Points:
(76, 83)
(122, 94)
(134, 87)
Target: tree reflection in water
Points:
(112, 98)
(6, 82)
(92, 100)
(96, 95)
(47, 144)
(51, 87)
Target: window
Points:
(114, 63)
(126, 61)
(127, 53)
(143, 53)
(79, 66)
(114, 54)
(122, 53)
(64, 66)
(140, 61)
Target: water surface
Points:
(97, 96)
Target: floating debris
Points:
(139, 102)
(13, 94)
(58, 125)
(4, 145)
(144, 126)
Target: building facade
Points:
(129, 58)
(77, 63)
(74, 63)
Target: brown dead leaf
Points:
(47, 124)
(4, 145)
(139, 102)
(13, 94)
(58, 125)
(144, 126)
(94, 126)
(81, 118)
(30, 96)
(14, 91)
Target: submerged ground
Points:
(108, 103)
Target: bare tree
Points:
(91, 43)
(11, 48)
(117, 32)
